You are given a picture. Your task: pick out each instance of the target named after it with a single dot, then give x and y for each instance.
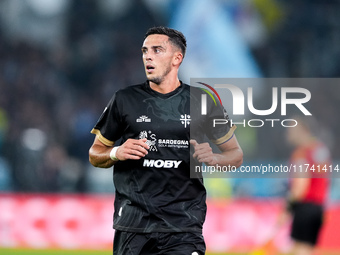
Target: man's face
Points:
(158, 55)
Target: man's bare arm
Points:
(299, 188)
(99, 153)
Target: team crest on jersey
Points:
(143, 118)
(185, 120)
(151, 139)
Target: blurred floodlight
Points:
(34, 139)
(48, 7)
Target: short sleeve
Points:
(218, 125)
(110, 125)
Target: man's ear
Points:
(178, 58)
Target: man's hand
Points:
(231, 153)
(132, 149)
(203, 153)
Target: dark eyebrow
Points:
(153, 47)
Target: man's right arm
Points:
(99, 153)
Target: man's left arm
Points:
(231, 153)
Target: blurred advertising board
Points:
(84, 222)
(56, 221)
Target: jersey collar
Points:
(167, 95)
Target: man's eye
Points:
(157, 50)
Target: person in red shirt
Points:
(309, 184)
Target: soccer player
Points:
(159, 208)
(308, 190)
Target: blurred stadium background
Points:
(60, 62)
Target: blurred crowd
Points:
(50, 97)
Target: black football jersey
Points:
(157, 193)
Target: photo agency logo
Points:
(280, 99)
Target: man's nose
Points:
(148, 56)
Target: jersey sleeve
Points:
(110, 125)
(218, 126)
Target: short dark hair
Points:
(175, 36)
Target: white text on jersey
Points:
(159, 163)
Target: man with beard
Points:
(159, 208)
